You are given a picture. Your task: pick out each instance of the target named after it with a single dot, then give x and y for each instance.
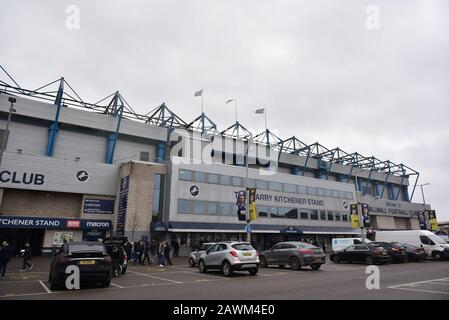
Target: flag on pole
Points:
(198, 93)
(260, 111)
(230, 100)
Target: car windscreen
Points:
(242, 246)
(204, 247)
(437, 239)
(307, 246)
(78, 248)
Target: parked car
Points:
(195, 255)
(414, 253)
(434, 246)
(342, 243)
(115, 246)
(366, 253)
(394, 249)
(91, 258)
(295, 254)
(229, 257)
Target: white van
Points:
(433, 245)
(342, 243)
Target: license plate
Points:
(247, 254)
(87, 262)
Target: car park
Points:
(363, 253)
(414, 253)
(115, 246)
(229, 257)
(91, 258)
(395, 250)
(195, 255)
(434, 246)
(295, 254)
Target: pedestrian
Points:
(153, 251)
(324, 246)
(141, 251)
(136, 253)
(161, 257)
(27, 257)
(5, 257)
(146, 254)
(175, 246)
(167, 249)
(129, 249)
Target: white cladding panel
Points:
(88, 147)
(31, 139)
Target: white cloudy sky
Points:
(320, 72)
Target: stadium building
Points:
(78, 170)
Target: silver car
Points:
(195, 255)
(230, 256)
(296, 254)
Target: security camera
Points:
(12, 100)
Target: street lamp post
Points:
(359, 206)
(3, 145)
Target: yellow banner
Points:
(355, 221)
(434, 225)
(252, 211)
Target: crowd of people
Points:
(154, 252)
(6, 253)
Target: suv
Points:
(195, 255)
(230, 256)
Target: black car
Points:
(115, 247)
(91, 258)
(395, 250)
(416, 254)
(366, 253)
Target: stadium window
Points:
(228, 209)
(144, 156)
(337, 216)
(274, 213)
(289, 187)
(261, 184)
(330, 216)
(199, 207)
(328, 193)
(212, 178)
(314, 215)
(274, 186)
(302, 189)
(312, 191)
(251, 183)
(184, 206)
(344, 217)
(200, 176)
(334, 193)
(291, 213)
(322, 215)
(236, 181)
(262, 211)
(320, 191)
(212, 208)
(186, 175)
(225, 180)
(304, 215)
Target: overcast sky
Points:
(321, 70)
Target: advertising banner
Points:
(252, 204)
(366, 221)
(355, 221)
(433, 220)
(122, 206)
(241, 205)
(422, 220)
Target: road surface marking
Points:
(151, 276)
(24, 281)
(45, 287)
(116, 285)
(420, 290)
(417, 282)
(206, 275)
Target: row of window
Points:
(230, 209)
(203, 177)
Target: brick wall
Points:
(40, 203)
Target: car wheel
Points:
(105, 284)
(437, 256)
(54, 282)
(202, 266)
(294, 263)
(117, 271)
(254, 271)
(191, 262)
(369, 260)
(124, 270)
(263, 262)
(226, 269)
(316, 266)
(282, 266)
(336, 258)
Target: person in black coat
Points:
(166, 250)
(27, 257)
(5, 257)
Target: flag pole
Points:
(202, 107)
(266, 127)
(235, 102)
